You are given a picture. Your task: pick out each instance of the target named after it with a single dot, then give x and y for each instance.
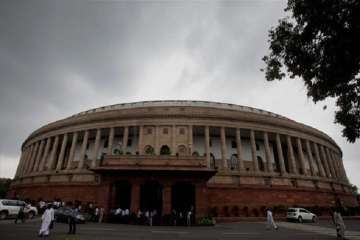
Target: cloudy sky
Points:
(58, 58)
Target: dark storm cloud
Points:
(58, 58)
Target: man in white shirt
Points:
(270, 220)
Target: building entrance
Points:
(151, 197)
(183, 198)
(123, 194)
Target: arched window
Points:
(165, 150)
(260, 163)
(182, 150)
(149, 150)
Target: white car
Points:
(300, 215)
(10, 208)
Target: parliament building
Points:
(215, 158)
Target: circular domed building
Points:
(212, 157)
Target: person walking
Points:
(188, 218)
(21, 215)
(52, 212)
(340, 225)
(270, 220)
(72, 219)
(101, 215)
(45, 223)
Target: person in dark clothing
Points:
(20, 215)
(72, 219)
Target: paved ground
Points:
(244, 230)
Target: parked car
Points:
(10, 208)
(300, 215)
(62, 214)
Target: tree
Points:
(319, 42)
(354, 189)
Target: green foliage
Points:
(196, 154)
(206, 221)
(319, 43)
(118, 152)
(150, 150)
(165, 150)
(354, 189)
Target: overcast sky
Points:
(58, 58)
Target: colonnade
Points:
(48, 154)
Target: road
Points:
(243, 230)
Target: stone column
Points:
(53, 153)
(202, 202)
(27, 159)
(301, 155)
(318, 159)
(338, 167)
(207, 145)
(111, 141)
(327, 162)
(190, 139)
(157, 147)
(310, 158)
(173, 140)
(326, 166)
(125, 139)
(268, 153)
(72, 150)
(280, 154)
(341, 169)
(135, 197)
(21, 161)
(223, 149)
(62, 152)
(45, 155)
(291, 155)
(332, 163)
(239, 150)
(38, 157)
(83, 150)
(253, 151)
(33, 157)
(94, 162)
(20, 164)
(140, 143)
(166, 208)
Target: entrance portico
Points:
(161, 188)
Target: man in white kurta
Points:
(340, 225)
(45, 224)
(270, 220)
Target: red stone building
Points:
(180, 154)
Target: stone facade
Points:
(232, 155)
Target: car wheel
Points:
(300, 219)
(3, 215)
(313, 219)
(31, 215)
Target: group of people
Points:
(182, 217)
(48, 218)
